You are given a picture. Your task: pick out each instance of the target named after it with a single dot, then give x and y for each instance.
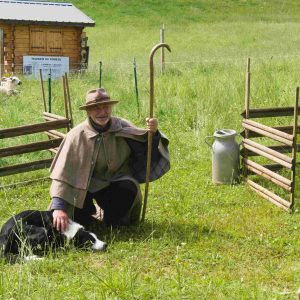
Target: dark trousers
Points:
(115, 200)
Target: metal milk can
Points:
(225, 157)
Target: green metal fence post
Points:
(49, 91)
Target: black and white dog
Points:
(32, 232)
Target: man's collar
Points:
(91, 132)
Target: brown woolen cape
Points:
(73, 165)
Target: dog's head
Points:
(83, 238)
(86, 239)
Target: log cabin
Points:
(43, 31)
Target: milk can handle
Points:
(206, 140)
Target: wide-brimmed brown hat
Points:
(96, 97)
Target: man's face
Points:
(100, 114)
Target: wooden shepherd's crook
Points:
(150, 116)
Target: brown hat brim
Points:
(84, 107)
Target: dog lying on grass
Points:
(8, 85)
(31, 232)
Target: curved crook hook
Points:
(157, 47)
(150, 137)
(154, 49)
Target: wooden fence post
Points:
(100, 74)
(247, 107)
(162, 57)
(294, 149)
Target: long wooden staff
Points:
(150, 135)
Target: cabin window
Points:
(45, 41)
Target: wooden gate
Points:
(285, 135)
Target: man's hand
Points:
(60, 220)
(152, 124)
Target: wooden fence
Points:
(285, 135)
(51, 123)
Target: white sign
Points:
(57, 65)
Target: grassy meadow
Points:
(199, 241)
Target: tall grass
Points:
(199, 241)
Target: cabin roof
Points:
(44, 13)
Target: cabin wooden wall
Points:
(20, 40)
(6, 46)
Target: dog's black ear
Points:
(83, 239)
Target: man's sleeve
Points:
(58, 204)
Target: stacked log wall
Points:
(17, 44)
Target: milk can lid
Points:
(224, 133)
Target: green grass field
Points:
(199, 241)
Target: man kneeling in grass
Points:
(104, 159)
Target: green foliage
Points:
(199, 241)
